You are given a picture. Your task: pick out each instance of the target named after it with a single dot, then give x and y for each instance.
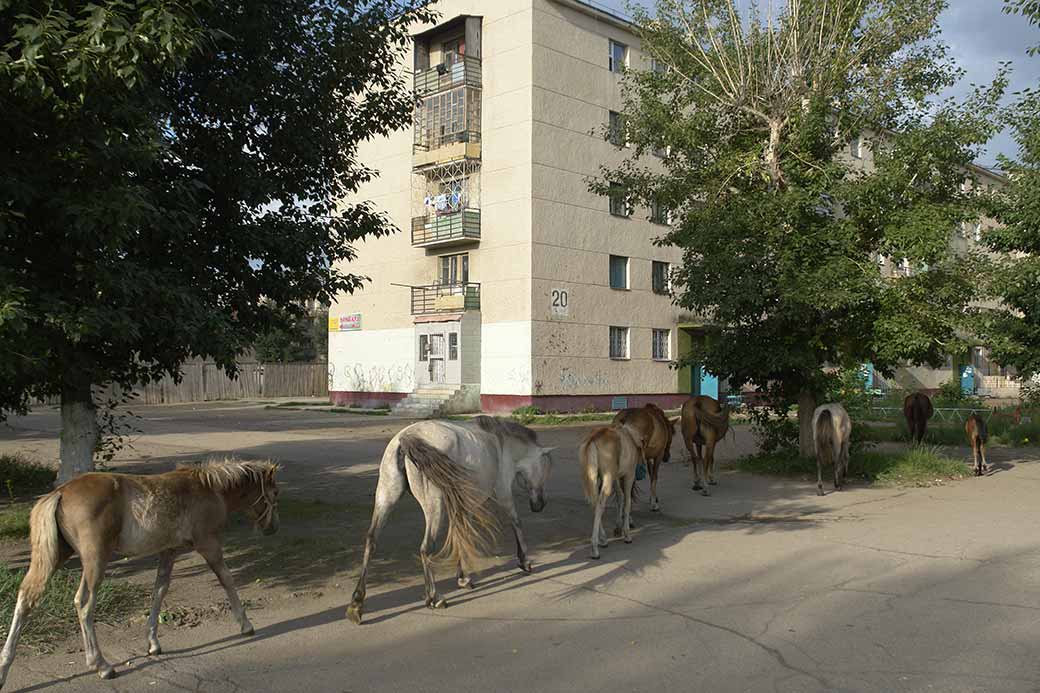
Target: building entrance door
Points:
(437, 358)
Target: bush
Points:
(525, 415)
(1030, 394)
(775, 431)
(917, 466)
(22, 477)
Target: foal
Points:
(975, 427)
(609, 456)
(99, 515)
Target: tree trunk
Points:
(806, 407)
(79, 431)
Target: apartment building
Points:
(512, 284)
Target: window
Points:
(616, 130)
(453, 51)
(976, 231)
(424, 347)
(619, 206)
(618, 342)
(618, 272)
(455, 269)
(662, 346)
(659, 279)
(856, 147)
(618, 56)
(445, 117)
(659, 213)
(658, 67)
(453, 346)
(906, 268)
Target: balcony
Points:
(464, 72)
(445, 298)
(438, 230)
(447, 126)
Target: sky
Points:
(980, 37)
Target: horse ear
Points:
(546, 451)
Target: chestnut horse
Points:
(917, 408)
(657, 430)
(99, 515)
(704, 424)
(975, 428)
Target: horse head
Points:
(263, 508)
(532, 473)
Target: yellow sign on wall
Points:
(345, 323)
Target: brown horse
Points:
(608, 457)
(704, 424)
(657, 431)
(99, 515)
(917, 408)
(975, 427)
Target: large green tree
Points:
(782, 229)
(172, 170)
(1013, 332)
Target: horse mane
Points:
(224, 475)
(504, 428)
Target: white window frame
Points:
(610, 272)
(906, 268)
(667, 289)
(976, 232)
(667, 343)
(620, 336)
(611, 64)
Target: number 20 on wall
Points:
(560, 302)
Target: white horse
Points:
(832, 432)
(452, 469)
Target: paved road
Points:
(762, 587)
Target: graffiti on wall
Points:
(361, 377)
(573, 380)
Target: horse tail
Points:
(825, 438)
(588, 456)
(45, 539)
(981, 429)
(719, 421)
(472, 524)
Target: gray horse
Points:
(452, 469)
(832, 433)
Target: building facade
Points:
(512, 284)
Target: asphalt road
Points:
(762, 587)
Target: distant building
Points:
(512, 284)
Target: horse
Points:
(978, 434)
(452, 469)
(608, 457)
(97, 515)
(657, 430)
(832, 432)
(917, 408)
(704, 424)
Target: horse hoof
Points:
(819, 492)
(466, 583)
(527, 567)
(697, 486)
(713, 483)
(655, 508)
(354, 613)
(440, 604)
(106, 672)
(594, 556)
(628, 540)
(247, 631)
(705, 491)
(617, 532)
(154, 650)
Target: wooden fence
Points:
(206, 382)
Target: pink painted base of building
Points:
(504, 404)
(497, 404)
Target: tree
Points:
(781, 228)
(173, 169)
(1013, 331)
(299, 338)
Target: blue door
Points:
(704, 383)
(968, 380)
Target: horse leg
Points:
(388, 491)
(619, 501)
(655, 470)
(433, 508)
(819, 475)
(599, 537)
(506, 502)
(162, 584)
(709, 460)
(975, 456)
(695, 462)
(94, 563)
(212, 552)
(982, 453)
(627, 533)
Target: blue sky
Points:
(980, 36)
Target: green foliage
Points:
(1030, 394)
(24, 478)
(526, 415)
(174, 169)
(1013, 331)
(775, 430)
(54, 618)
(296, 338)
(917, 466)
(780, 230)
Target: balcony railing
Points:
(430, 139)
(446, 229)
(464, 72)
(445, 298)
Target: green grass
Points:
(54, 619)
(14, 521)
(918, 466)
(1002, 431)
